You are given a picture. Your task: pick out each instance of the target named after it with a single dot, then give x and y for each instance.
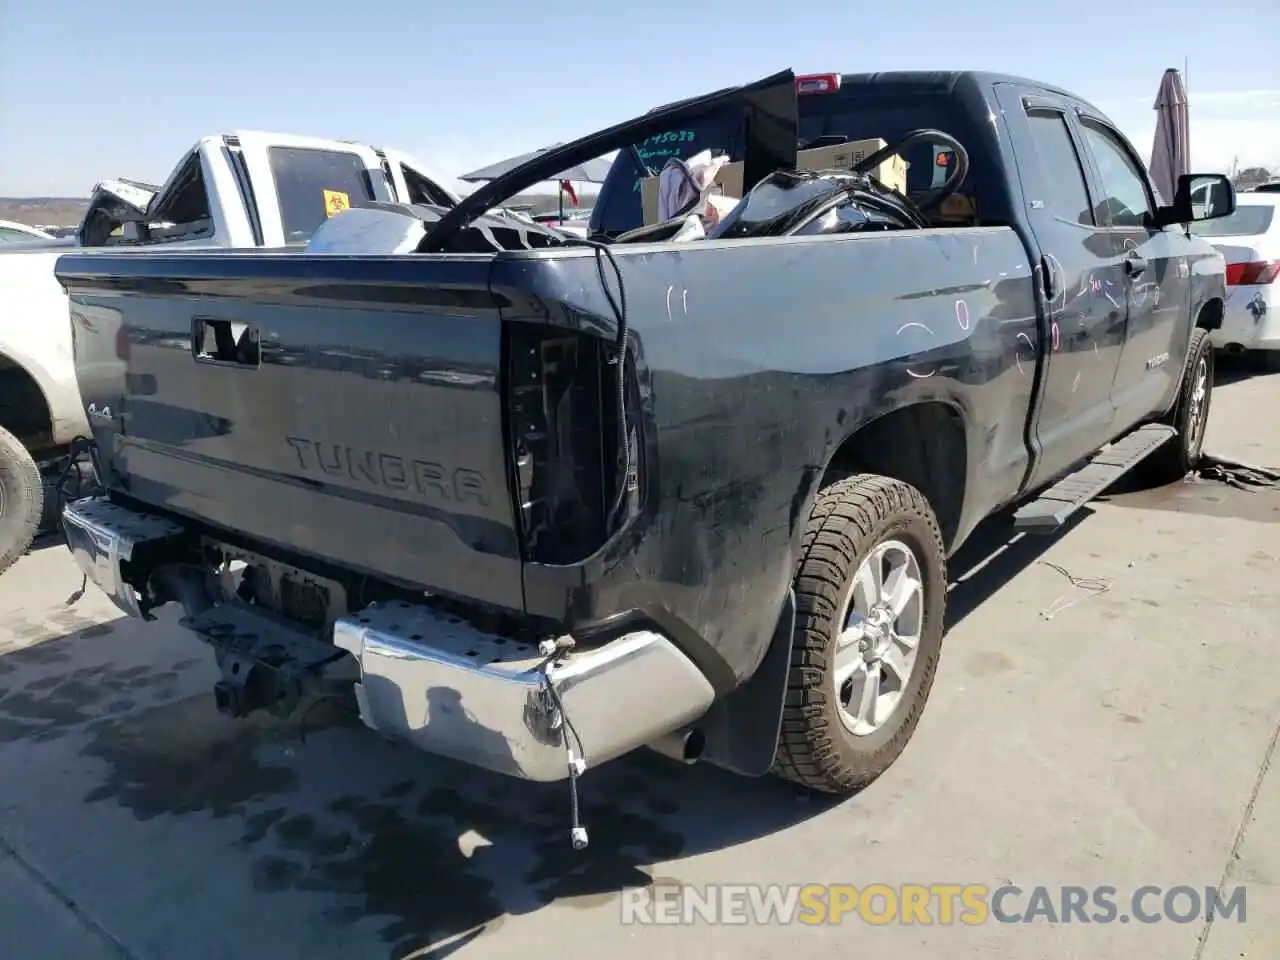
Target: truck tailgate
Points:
(347, 409)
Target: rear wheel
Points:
(21, 499)
(870, 602)
(1189, 416)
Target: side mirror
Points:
(1200, 196)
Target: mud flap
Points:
(742, 728)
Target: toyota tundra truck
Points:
(533, 502)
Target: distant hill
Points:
(43, 211)
(68, 211)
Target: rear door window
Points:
(423, 190)
(313, 185)
(182, 212)
(1059, 179)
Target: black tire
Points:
(850, 519)
(21, 499)
(1179, 456)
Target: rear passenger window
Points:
(312, 185)
(182, 213)
(422, 190)
(1061, 181)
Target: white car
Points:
(1249, 240)
(11, 232)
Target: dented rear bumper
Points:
(484, 699)
(420, 675)
(104, 538)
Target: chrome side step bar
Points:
(1055, 506)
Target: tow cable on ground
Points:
(1243, 476)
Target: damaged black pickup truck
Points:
(533, 502)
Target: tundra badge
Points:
(1158, 360)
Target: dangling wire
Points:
(621, 345)
(575, 752)
(73, 470)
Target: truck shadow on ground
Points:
(992, 556)
(1233, 368)
(1199, 496)
(49, 536)
(423, 853)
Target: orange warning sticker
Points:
(335, 201)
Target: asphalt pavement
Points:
(1105, 713)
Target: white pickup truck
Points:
(236, 190)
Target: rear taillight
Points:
(122, 343)
(1249, 274)
(815, 83)
(565, 439)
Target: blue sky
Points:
(90, 90)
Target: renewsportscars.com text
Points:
(926, 904)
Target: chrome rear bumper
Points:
(446, 687)
(102, 536)
(453, 690)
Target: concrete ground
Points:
(1080, 737)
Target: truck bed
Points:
(444, 422)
